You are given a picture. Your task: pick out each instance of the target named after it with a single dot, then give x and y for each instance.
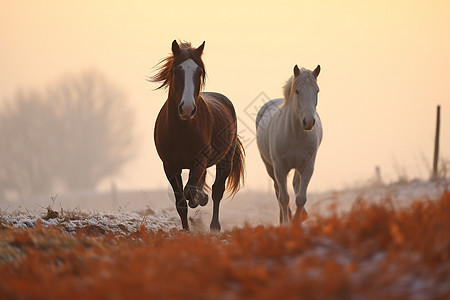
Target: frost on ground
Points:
(96, 223)
(128, 211)
(399, 194)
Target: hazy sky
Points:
(385, 67)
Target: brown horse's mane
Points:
(165, 66)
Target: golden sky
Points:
(385, 67)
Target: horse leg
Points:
(202, 196)
(223, 170)
(300, 182)
(283, 196)
(194, 186)
(270, 171)
(177, 185)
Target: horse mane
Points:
(165, 66)
(297, 82)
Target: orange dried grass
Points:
(369, 253)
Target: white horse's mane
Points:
(294, 83)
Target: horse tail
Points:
(236, 179)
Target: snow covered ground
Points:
(125, 212)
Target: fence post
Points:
(436, 144)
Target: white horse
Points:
(289, 133)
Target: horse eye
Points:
(296, 92)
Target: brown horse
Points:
(195, 130)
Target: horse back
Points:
(219, 103)
(267, 110)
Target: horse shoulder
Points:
(268, 121)
(160, 130)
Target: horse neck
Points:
(172, 109)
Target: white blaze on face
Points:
(189, 67)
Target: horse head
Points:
(188, 78)
(304, 90)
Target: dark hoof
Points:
(215, 227)
(185, 225)
(190, 194)
(203, 199)
(193, 203)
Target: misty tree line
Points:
(71, 136)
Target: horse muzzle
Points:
(308, 124)
(187, 112)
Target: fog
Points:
(385, 68)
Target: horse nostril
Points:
(309, 124)
(180, 108)
(194, 111)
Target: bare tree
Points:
(95, 125)
(77, 134)
(25, 159)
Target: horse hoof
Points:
(215, 227)
(203, 199)
(300, 216)
(193, 203)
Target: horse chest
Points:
(178, 144)
(187, 149)
(293, 150)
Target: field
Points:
(394, 247)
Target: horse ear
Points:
(296, 71)
(316, 71)
(175, 48)
(200, 48)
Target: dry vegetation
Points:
(373, 252)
